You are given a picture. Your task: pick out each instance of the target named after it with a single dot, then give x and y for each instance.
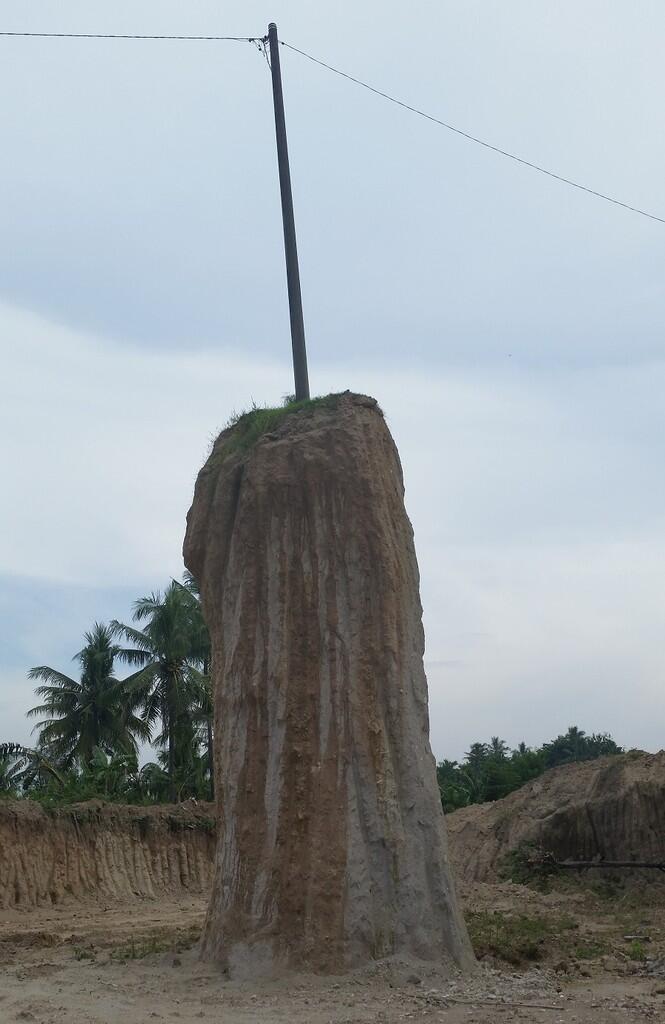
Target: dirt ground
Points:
(546, 957)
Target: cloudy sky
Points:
(511, 327)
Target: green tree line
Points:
(491, 770)
(89, 729)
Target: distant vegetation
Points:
(491, 770)
(89, 729)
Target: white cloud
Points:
(564, 634)
(534, 498)
(106, 443)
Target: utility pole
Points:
(290, 249)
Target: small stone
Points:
(413, 979)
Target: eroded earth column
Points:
(331, 840)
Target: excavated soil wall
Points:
(612, 809)
(102, 852)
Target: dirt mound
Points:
(610, 809)
(102, 851)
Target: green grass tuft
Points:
(518, 938)
(513, 939)
(529, 864)
(592, 949)
(250, 426)
(637, 951)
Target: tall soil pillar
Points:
(331, 846)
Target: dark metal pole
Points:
(290, 249)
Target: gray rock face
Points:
(331, 840)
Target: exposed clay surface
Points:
(94, 851)
(332, 848)
(609, 809)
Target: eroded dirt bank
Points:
(609, 809)
(613, 808)
(96, 851)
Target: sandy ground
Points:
(131, 963)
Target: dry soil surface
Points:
(137, 962)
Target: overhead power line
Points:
(473, 138)
(365, 85)
(118, 35)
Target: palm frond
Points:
(50, 675)
(145, 607)
(190, 583)
(141, 681)
(25, 754)
(135, 636)
(131, 656)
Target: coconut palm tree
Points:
(96, 711)
(204, 709)
(11, 766)
(20, 766)
(497, 748)
(168, 682)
